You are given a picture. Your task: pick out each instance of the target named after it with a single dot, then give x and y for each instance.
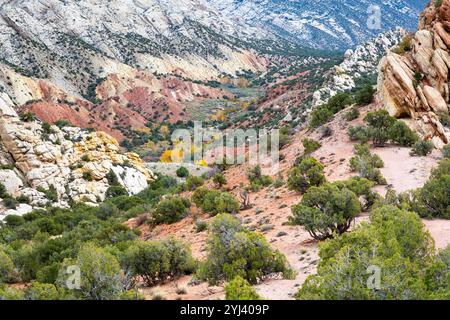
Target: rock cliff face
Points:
(414, 82)
(71, 162)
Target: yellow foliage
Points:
(144, 130)
(164, 130)
(242, 83)
(169, 156)
(245, 105)
(219, 116)
(201, 163)
(166, 157)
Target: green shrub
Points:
(444, 117)
(199, 195)
(8, 293)
(210, 201)
(100, 274)
(418, 78)
(320, 116)
(395, 242)
(379, 122)
(87, 175)
(182, 172)
(227, 203)
(14, 220)
(126, 203)
(365, 95)
(352, 114)
(401, 134)
(422, 148)
(106, 211)
(158, 261)
(234, 251)
(193, 183)
(42, 291)
(307, 174)
(240, 289)
(254, 174)
(7, 268)
(63, 123)
(47, 128)
(116, 191)
(433, 199)
(3, 191)
(362, 188)
(437, 279)
(437, 203)
(200, 226)
(279, 182)
(404, 46)
(23, 199)
(326, 211)
(284, 139)
(51, 193)
(171, 210)
(219, 180)
(214, 202)
(310, 146)
(27, 117)
(339, 102)
(132, 295)
(359, 133)
(10, 203)
(48, 273)
(446, 151)
(257, 179)
(326, 132)
(367, 164)
(112, 178)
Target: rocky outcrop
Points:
(359, 62)
(415, 83)
(71, 161)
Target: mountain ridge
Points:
(328, 24)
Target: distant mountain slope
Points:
(326, 24)
(73, 42)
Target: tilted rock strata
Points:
(416, 83)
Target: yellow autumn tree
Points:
(164, 130)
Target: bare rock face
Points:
(71, 162)
(415, 83)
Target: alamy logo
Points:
(374, 280)
(73, 281)
(374, 20)
(233, 146)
